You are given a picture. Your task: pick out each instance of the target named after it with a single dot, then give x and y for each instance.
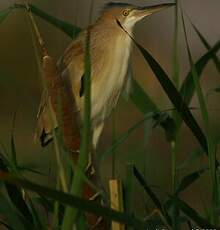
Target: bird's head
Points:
(128, 15)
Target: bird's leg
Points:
(92, 166)
(96, 134)
(93, 175)
(95, 138)
(93, 171)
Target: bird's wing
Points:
(71, 67)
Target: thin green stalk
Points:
(113, 138)
(176, 53)
(61, 172)
(129, 189)
(75, 19)
(55, 220)
(175, 115)
(205, 116)
(77, 183)
(174, 143)
(4, 13)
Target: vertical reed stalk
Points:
(175, 115)
(207, 128)
(77, 183)
(114, 138)
(35, 35)
(175, 74)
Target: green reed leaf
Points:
(207, 128)
(66, 27)
(174, 96)
(4, 14)
(73, 201)
(77, 183)
(207, 45)
(189, 180)
(188, 88)
(13, 147)
(151, 194)
(192, 214)
(146, 105)
(16, 197)
(140, 98)
(11, 217)
(129, 189)
(191, 158)
(120, 139)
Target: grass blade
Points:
(16, 197)
(172, 94)
(66, 27)
(13, 152)
(13, 148)
(191, 158)
(175, 143)
(128, 189)
(4, 14)
(151, 194)
(192, 214)
(76, 187)
(73, 201)
(207, 45)
(145, 105)
(5, 225)
(36, 217)
(11, 216)
(188, 88)
(143, 102)
(122, 138)
(188, 180)
(205, 116)
(175, 98)
(25, 168)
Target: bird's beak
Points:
(148, 10)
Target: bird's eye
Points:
(126, 12)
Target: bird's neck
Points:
(111, 22)
(105, 33)
(110, 47)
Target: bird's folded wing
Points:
(72, 67)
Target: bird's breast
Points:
(111, 77)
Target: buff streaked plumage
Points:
(110, 49)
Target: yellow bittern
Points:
(110, 48)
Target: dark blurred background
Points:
(20, 88)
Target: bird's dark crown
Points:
(111, 5)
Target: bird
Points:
(110, 51)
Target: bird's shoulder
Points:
(75, 50)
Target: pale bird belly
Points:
(106, 91)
